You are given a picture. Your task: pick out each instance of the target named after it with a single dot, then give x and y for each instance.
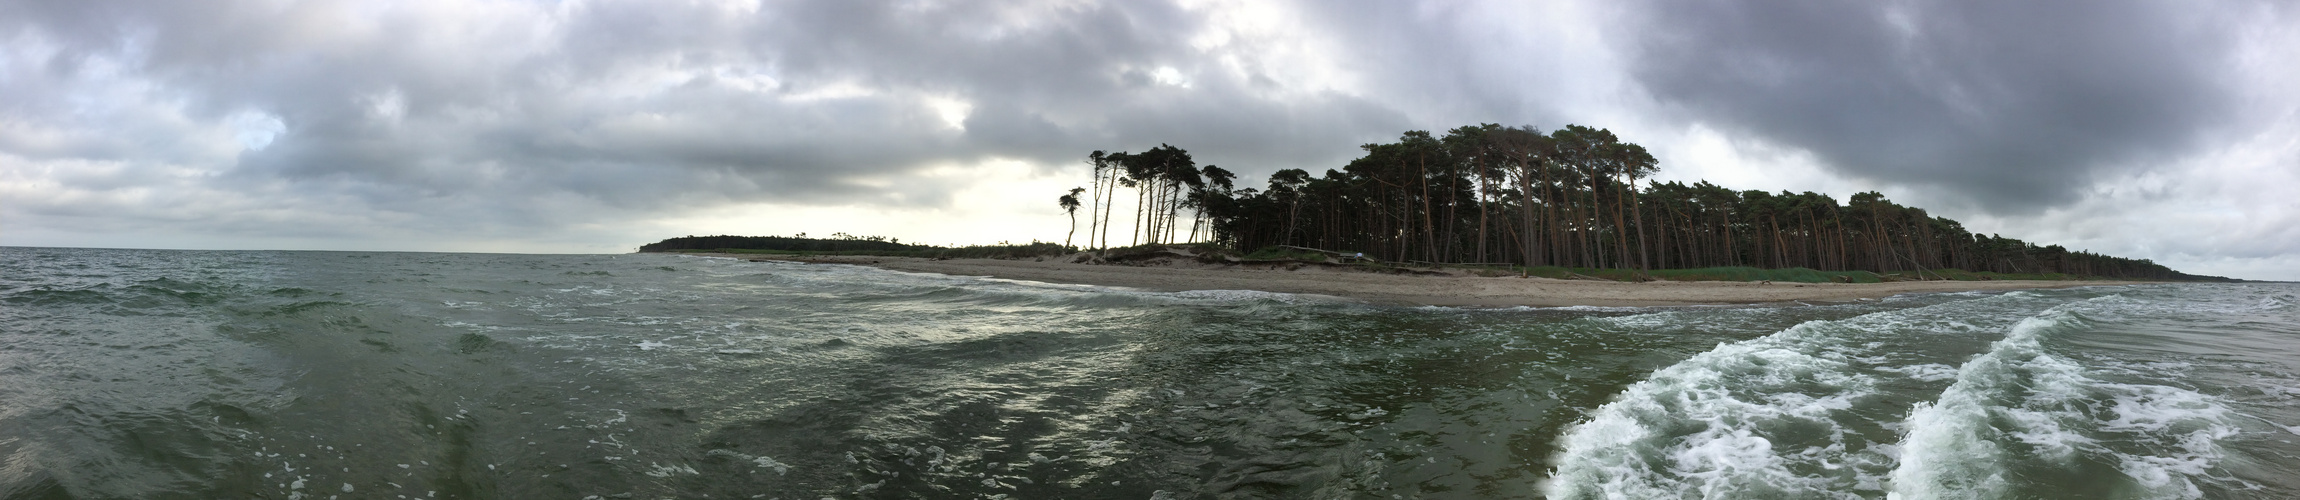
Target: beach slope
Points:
(1436, 289)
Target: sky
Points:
(2166, 130)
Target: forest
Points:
(1573, 197)
(840, 242)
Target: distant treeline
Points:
(801, 243)
(1573, 197)
(845, 244)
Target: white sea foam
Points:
(1713, 419)
(1241, 296)
(1773, 416)
(760, 461)
(2178, 430)
(1960, 446)
(659, 470)
(1588, 308)
(1649, 321)
(1951, 450)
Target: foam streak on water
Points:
(2083, 395)
(1772, 417)
(1952, 449)
(2021, 411)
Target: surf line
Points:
(1707, 426)
(1955, 446)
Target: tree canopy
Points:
(1576, 196)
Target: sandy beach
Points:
(1442, 289)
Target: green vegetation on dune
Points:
(1286, 254)
(1725, 273)
(1752, 274)
(1804, 275)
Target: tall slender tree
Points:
(1094, 208)
(1069, 203)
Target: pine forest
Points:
(1573, 197)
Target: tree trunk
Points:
(1092, 223)
(1637, 215)
(1484, 208)
(1139, 199)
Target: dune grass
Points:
(1788, 275)
(1286, 254)
(1752, 274)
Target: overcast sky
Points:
(2167, 130)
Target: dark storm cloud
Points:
(587, 121)
(648, 106)
(2016, 105)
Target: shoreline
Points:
(1450, 290)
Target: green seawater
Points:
(306, 375)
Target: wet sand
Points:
(1437, 289)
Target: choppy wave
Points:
(1793, 414)
(2022, 411)
(1758, 418)
(309, 374)
(1802, 413)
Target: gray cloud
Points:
(557, 121)
(2018, 105)
(645, 107)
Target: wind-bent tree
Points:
(1069, 204)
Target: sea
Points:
(339, 375)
